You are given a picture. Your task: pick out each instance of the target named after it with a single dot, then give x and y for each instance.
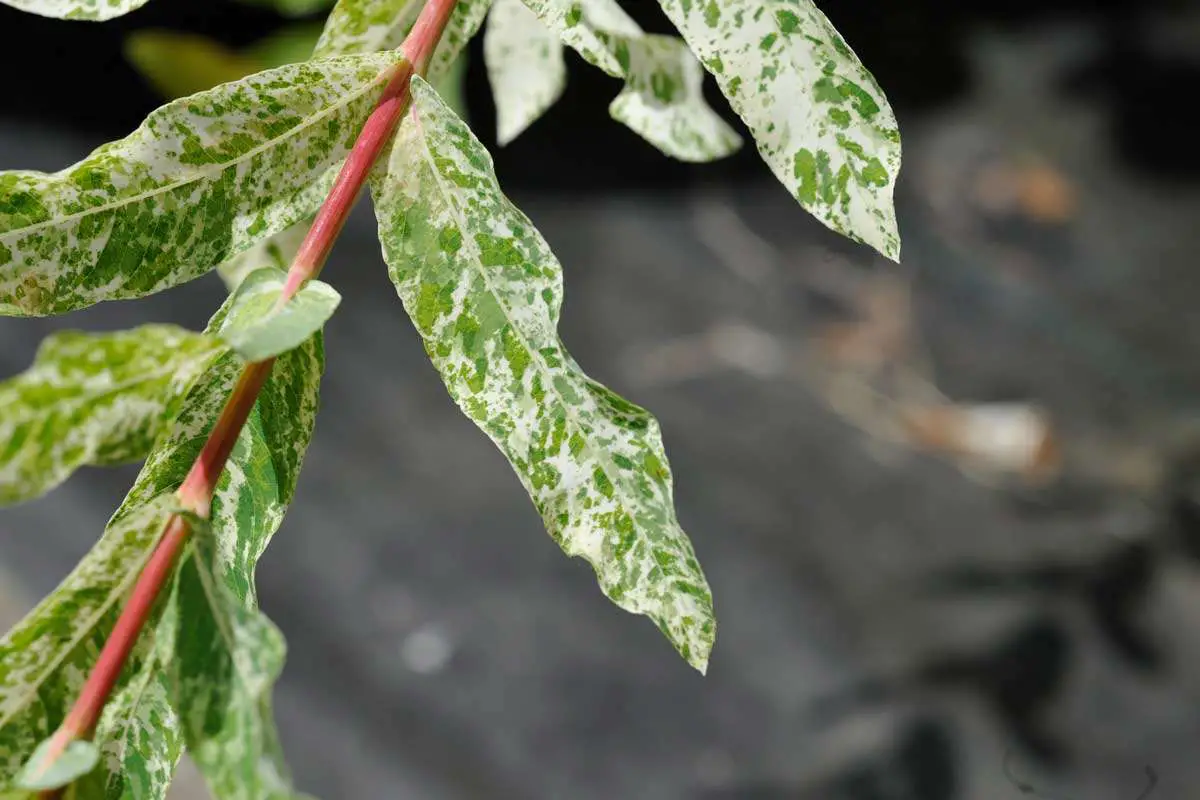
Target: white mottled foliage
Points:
(821, 121)
(95, 10)
(484, 291)
(525, 67)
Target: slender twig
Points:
(195, 493)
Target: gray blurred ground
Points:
(442, 647)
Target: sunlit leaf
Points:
(258, 327)
(525, 67)
(94, 398)
(95, 10)
(484, 291)
(203, 179)
(663, 99)
(820, 119)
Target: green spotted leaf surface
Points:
(525, 67)
(663, 99)
(94, 398)
(820, 119)
(95, 10)
(201, 674)
(484, 291)
(366, 26)
(203, 178)
(258, 327)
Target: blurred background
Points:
(950, 509)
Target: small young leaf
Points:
(663, 99)
(203, 179)
(52, 771)
(95, 10)
(257, 328)
(821, 121)
(365, 26)
(94, 398)
(484, 291)
(276, 251)
(525, 67)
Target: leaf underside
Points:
(204, 178)
(525, 67)
(484, 291)
(257, 328)
(820, 119)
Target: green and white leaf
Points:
(276, 251)
(820, 119)
(484, 291)
(94, 398)
(366, 26)
(95, 10)
(208, 687)
(525, 67)
(663, 99)
(259, 328)
(203, 179)
(44, 771)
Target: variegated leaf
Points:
(95, 10)
(820, 119)
(525, 67)
(365, 26)
(94, 398)
(203, 179)
(176, 687)
(663, 99)
(258, 327)
(484, 291)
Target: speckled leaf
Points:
(175, 688)
(663, 99)
(820, 119)
(94, 398)
(204, 178)
(365, 26)
(258, 328)
(484, 291)
(95, 10)
(276, 251)
(525, 67)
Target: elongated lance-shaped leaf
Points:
(820, 119)
(365, 26)
(201, 180)
(95, 10)
(663, 99)
(259, 328)
(94, 398)
(525, 67)
(484, 291)
(45, 658)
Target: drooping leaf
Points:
(179, 64)
(663, 99)
(94, 398)
(276, 251)
(820, 119)
(484, 291)
(95, 10)
(258, 328)
(203, 179)
(525, 67)
(183, 681)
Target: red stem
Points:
(196, 491)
